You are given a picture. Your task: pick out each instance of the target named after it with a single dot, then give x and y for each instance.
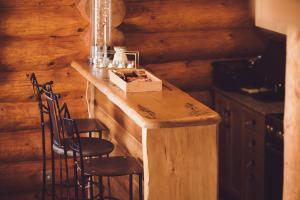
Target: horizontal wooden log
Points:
(204, 96)
(39, 54)
(35, 3)
(22, 146)
(118, 11)
(23, 176)
(30, 195)
(22, 116)
(178, 15)
(42, 21)
(174, 46)
(16, 86)
(117, 38)
(187, 75)
(118, 189)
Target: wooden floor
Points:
(118, 191)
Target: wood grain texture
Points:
(118, 9)
(19, 54)
(292, 117)
(267, 18)
(187, 75)
(176, 46)
(164, 147)
(178, 15)
(35, 3)
(16, 86)
(41, 36)
(151, 109)
(180, 163)
(204, 96)
(22, 146)
(277, 15)
(101, 101)
(18, 177)
(34, 21)
(22, 116)
(126, 141)
(118, 14)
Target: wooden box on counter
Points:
(155, 85)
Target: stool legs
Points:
(100, 187)
(53, 170)
(91, 188)
(130, 188)
(44, 161)
(67, 173)
(108, 185)
(60, 176)
(75, 177)
(83, 177)
(140, 187)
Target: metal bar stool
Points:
(94, 146)
(85, 125)
(91, 147)
(100, 166)
(43, 110)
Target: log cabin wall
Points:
(177, 40)
(41, 36)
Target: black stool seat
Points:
(90, 125)
(112, 166)
(90, 147)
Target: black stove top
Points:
(276, 118)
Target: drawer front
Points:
(252, 187)
(253, 121)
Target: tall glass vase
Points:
(100, 32)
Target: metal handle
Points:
(252, 143)
(250, 164)
(250, 122)
(227, 116)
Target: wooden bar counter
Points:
(173, 134)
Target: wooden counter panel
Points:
(125, 140)
(103, 104)
(169, 108)
(180, 163)
(179, 138)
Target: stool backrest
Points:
(75, 145)
(55, 118)
(72, 131)
(38, 91)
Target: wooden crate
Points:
(136, 86)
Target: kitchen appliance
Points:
(274, 143)
(231, 75)
(262, 77)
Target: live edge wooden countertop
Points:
(167, 109)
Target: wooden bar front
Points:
(174, 136)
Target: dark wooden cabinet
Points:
(241, 150)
